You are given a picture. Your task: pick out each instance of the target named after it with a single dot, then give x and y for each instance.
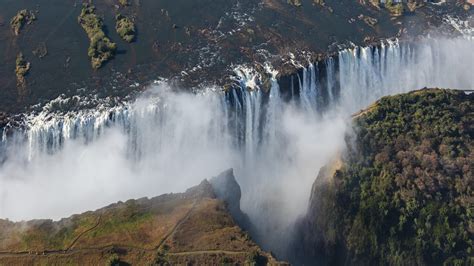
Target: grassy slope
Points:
(404, 193)
(177, 228)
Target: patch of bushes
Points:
(20, 19)
(255, 258)
(125, 28)
(22, 68)
(296, 3)
(396, 9)
(113, 260)
(226, 261)
(101, 48)
(161, 258)
(123, 2)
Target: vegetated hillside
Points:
(194, 227)
(404, 193)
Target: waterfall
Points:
(369, 73)
(66, 162)
(331, 79)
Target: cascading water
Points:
(63, 163)
(367, 74)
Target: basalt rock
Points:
(227, 189)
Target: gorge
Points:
(231, 88)
(276, 140)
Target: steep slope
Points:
(404, 193)
(194, 227)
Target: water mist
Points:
(167, 141)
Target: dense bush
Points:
(406, 190)
(20, 19)
(101, 48)
(22, 67)
(125, 28)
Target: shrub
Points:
(125, 28)
(20, 19)
(101, 48)
(113, 260)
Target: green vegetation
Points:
(162, 256)
(20, 19)
(226, 261)
(396, 9)
(101, 48)
(125, 28)
(172, 229)
(405, 192)
(123, 2)
(45, 235)
(255, 258)
(113, 260)
(319, 2)
(22, 68)
(412, 5)
(375, 3)
(126, 219)
(296, 3)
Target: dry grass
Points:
(190, 227)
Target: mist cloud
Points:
(172, 140)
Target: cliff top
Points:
(404, 192)
(193, 227)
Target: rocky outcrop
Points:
(22, 18)
(3, 120)
(316, 235)
(227, 189)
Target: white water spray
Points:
(166, 141)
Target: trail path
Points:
(70, 249)
(83, 233)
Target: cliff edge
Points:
(195, 227)
(403, 192)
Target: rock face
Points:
(227, 189)
(194, 227)
(403, 193)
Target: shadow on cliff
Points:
(226, 188)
